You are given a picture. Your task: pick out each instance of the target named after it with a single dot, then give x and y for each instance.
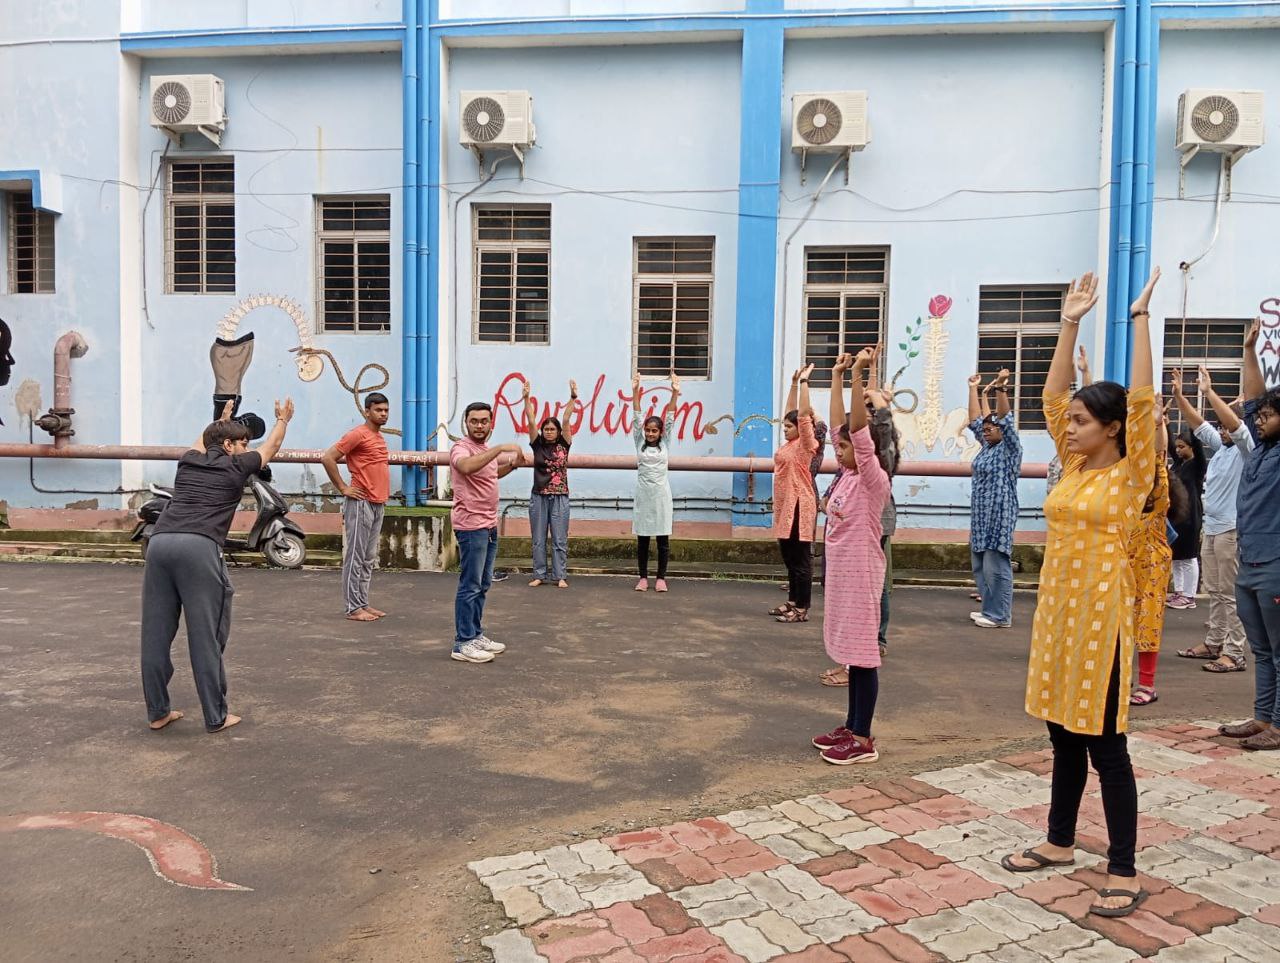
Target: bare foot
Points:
(361, 615)
(231, 721)
(173, 716)
(562, 584)
(535, 583)
(376, 613)
(1058, 854)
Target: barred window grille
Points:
(1216, 343)
(200, 227)
(672, 283)
(846, 296)
(30, 246)
(1018, 329)
(353, 269)
(511, 290)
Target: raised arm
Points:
(857, 407)
(267, 450)
(1000, 388)
(977, 409)
(1140, 371)
(566, 422)
(836, 413)
(530, 412)
(1189, 413)
(1226, 414)
(1082, 365)
(1252, 386)
(225, 416)
(1082, 295)
(792, 394)
(674, 401)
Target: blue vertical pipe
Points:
(1117, 340)
(409, 233)
(759, 165)
(429, 101)
(1140, 259)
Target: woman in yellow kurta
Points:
(1082, 639)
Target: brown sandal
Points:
(1216, 666)
(782, 609)
(1242, 730)
(1204, 652)
(836, 676)
(794, 615)
(1267, 739)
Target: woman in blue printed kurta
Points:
(993, 510)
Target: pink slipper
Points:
(660, 585)
(642, 585)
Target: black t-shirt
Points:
(206, 491)
(550, 467)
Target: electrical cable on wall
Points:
(292, 224)
(1186, 266)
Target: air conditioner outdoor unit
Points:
(181, 103)
(1222, 121)
(830, 121)
(496, 118)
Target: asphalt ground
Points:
(370, 768)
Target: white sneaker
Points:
(983, 622)
(486, 643)
(974, 616)
(471, 652)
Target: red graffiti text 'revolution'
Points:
(599, 414)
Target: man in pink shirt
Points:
(475, 525)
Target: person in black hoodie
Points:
(1190, 465)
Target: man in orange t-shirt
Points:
(364, 498)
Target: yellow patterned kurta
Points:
(1086, 600)
(1152, 561)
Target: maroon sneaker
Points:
(850, 752)
(832, 739)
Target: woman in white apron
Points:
(652, 517)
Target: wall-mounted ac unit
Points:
(1222, 121)
(496, 118)
(182, 103)
(830, 121)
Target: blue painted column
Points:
(428, 347)
(1144, 167)
(409, 233)
(759, 163)
(1116, 366)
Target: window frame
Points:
(674, 280)
(355, 237)
(42, 229)
(173, 200)
(1227, 364)
(821, 377)
(1018, 329)
(515, 247)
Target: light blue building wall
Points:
(1010, 145)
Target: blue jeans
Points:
(476, 553)
(549, 511)
(993, 571)
(1258, 605)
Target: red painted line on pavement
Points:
(176, 857)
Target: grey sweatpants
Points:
(185, 575)
(361, 526)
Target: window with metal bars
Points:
(846, 295)
(672, 282)
(200, 227)
(511, 289)
(353, 263)
(30, 246)
(1018, 329)
(1216, 343)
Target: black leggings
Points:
(864, 689)
(642, 554)
(798, 557)
(1110, 754)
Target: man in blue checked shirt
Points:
(1258, 583)
(993, 512)
(1223, 647)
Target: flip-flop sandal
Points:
(1192, 654)
(831, 676)
(1042, 862)
(1143, 697)
(782, 609)
(1217, 666)
(793, 615)
(1135, 900)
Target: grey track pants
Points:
(361, 526)
(185, 575)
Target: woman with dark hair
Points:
(795, 500)
(549, 501)
(1152, 560)
(1082, 639)
(1190, 464)
(993, 507)
(651, 517)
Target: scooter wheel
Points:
(286, 550)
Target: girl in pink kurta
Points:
(854, 567)
(795, 501)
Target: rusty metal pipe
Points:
(311, 456)
(57, 421)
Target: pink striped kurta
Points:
(854, 573)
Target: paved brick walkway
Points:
(908, 870)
